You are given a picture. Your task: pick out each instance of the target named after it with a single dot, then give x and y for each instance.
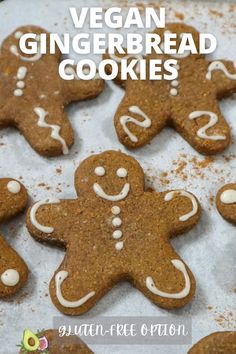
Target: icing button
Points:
(116, 222)
(117, 234)
(115, 210)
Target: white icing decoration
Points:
(13, 187)
(169, 196)
(33, 219)
(126, 57)
(228, 196)
(119, 245)
(10, 277)
(36, 57)
(201, 133)
(218, 65)
(146, 123)
(173, 92)
(59, 278)
(114, 198)
(21, 72)
(20, 84)
(117, 234)
(116, 222)
(115, 210)
(178, 264)
(18, 92)
(121, 172)
(18, 34)
(174, 83)
(55, 133)
(100, 171)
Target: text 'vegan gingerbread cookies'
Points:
(216, 343)
(51, 342)
(13, 270)
(226, 202)
(33, 96)
(188, 104)
(115, 230)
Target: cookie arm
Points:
(222, 74)
(48, 220)
(226, 202)
(182, 211)
(80, 90)
(13, 270)
(13, 197)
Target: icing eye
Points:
(121, 172)
(100, 171)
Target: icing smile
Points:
(116, 197)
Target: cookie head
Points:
(110, 176)
(11, 46)
(179, 29)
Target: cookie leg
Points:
(136, 120)
(13, 270)
(164, 278)
(203, 126)
(78, 285)
(47, 129)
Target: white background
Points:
(209, 249)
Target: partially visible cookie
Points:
(50, 342)
(216, 343)
(226, 202)
(116, 230)
(33, 96)
(13, 270)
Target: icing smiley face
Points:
(121, 173)
(111, 235)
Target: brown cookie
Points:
(216, 343)
(33, 95)
(13, 270)
(226, 202)
(189, 104)
(49, 341)
(115, 230)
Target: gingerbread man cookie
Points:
(13, 270)
(226, 202)
(216, 343)
(188, 104)
(115, 230)
(33, 95)
(51, 342)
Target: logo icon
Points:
(32, 342)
